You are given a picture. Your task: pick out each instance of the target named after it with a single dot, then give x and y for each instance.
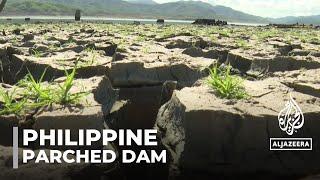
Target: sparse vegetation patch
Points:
(226, 85)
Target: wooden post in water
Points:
(78, 15)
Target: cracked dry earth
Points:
(150, 76)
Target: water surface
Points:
(21, 19)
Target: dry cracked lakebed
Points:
(150, 76)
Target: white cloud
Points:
(269, 8)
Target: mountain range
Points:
(187, 10)
(142, 1)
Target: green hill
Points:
(142, 9)
(36, 8)
(299, 19)
(118, 8)
(142, 1)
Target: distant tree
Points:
(3, 2)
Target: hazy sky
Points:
(269, 8)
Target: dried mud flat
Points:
(150, 76)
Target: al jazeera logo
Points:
(291, 119)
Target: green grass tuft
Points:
(243, 44)
(63, 93)
(36, 53)
(9, 104)
(226, 85)
(37, 94)
(40, 94)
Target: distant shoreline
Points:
(113, 19)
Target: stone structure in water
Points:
(160, 21)
(78, 15)
(211, 22)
